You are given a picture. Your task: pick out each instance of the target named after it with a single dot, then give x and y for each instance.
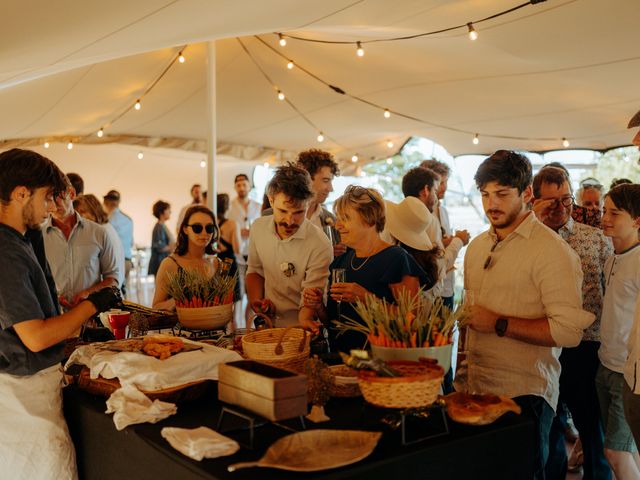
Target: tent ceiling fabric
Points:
(562, 68)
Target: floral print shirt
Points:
(593, 248)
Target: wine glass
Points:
(338, 275)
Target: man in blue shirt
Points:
(32, 330)
(123, 225)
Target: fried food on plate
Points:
(162, 346)
(478, 409)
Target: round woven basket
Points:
(345, 383)
(205, 318)
(286, 348)
(418, 386)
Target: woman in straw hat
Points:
(371, 265)
(406, 226)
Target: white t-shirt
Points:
(622, 284)
(308, 250)
(244, 219)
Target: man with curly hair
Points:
(287, 252)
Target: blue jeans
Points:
(542, 414)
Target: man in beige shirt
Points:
(526, 283)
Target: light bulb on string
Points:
(389, 144)
(387, 113)
(46, 145)
(290, 65)
(359, 50)
(203, 164)
(140, 155)
(266, 165)
(320, 137)
(389, 161)
(282, 41)
(70, 146)
(565, 142)
(476, 140)
(280, 95)
(138, 105)
(354, 159)
(473, 35)
(100, 133)
(181, 58)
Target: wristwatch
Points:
(501, 326)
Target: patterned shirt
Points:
(593, 248)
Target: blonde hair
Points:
(366, 201)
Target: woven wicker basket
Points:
(345, 382)
(418, 386)
(286, 348)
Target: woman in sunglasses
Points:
(194, 250)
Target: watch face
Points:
(501, 326)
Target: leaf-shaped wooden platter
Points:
(314, 450)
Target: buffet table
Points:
(498, 451)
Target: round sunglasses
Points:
(197, 228)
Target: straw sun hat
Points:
(408, 222)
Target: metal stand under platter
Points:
(431, 421)
(251, 422)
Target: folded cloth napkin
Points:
(130, 406)
(199, 443)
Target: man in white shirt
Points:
(424, 184)
(452, 244)
(83, 256)
(287, 253)
(525, 282)
(196, 199)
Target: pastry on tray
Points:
(474, 409)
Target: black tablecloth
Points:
(498, 451)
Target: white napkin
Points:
(199, 443)
(132, 406)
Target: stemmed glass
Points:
(338, 275)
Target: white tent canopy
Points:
(561, 68)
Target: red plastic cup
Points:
(119, 322)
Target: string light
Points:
(70, 146)
(138, 105)
(100, 133)
(320, 137)
(290, 64)
(282, 41)
(280, 95)
(203, 164)
(389, 161)
(389, 144)
(181, 58)
(473, 35)
(387, 113)
(140, 155)
(266, 165)
(46, 144)
(354, 159)
(359, 50)
(565, 143)
(476, 140)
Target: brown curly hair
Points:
(314, 159)
(293, 181)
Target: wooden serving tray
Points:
(105, 387)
